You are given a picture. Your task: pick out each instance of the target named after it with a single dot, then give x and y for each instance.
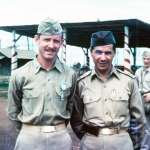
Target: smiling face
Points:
(146, 61)
(49, 46)
(102, 58)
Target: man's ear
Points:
(90, 51)
(62, 42)
(36, 39)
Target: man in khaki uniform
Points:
(108, 112)
(40, 97)
(143, 80)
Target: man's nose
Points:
(103, 56)
(50, 44)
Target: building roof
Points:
(79, 33)
(22, 54)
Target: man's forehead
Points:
(147, 57)
(52, 36)
(105, 47)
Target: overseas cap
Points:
(49, 27)
(102, 38)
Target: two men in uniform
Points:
(107, 113)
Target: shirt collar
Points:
(58, 65)
(37, 65)
(147, 69)
(113, 71)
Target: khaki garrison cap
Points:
(101, 38)
(49, 27)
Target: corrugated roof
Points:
(22, 54)
(79, 33)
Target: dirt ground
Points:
(8, 133)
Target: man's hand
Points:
(147, 97)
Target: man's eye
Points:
(46, 40)
(56, 41)
(108, 53)
(98, 52)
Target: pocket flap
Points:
(147, 79)
(31, 93)
(119, 97)
(89, 99)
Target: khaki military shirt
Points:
(143, 79)
(112, 103)
(35, 96)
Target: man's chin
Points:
(50, 57)
(102, 69)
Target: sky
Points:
(23, 12)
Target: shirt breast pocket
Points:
(60, 101)
(119, 104)
(32, 102)
(147, 81)
(91, 105)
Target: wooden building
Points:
(5, 59)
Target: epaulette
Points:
(84, 75)
(128, 74)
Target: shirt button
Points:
(47, 94)
(105, 99)
(48, 79)
(46, 109)
(104, 86)
(106, 113)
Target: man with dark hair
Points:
(40, 97)
(108, 112)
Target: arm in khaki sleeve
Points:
(77, 116)
(138, 77)
(14, 102)
(137, 116)
(70, 101)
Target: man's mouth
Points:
(103, 64)
(50, 50)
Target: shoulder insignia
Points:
(84, 75)
(128, 74)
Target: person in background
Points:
(143, 80)
(83, 70)
(40, 96)
(108, 112)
